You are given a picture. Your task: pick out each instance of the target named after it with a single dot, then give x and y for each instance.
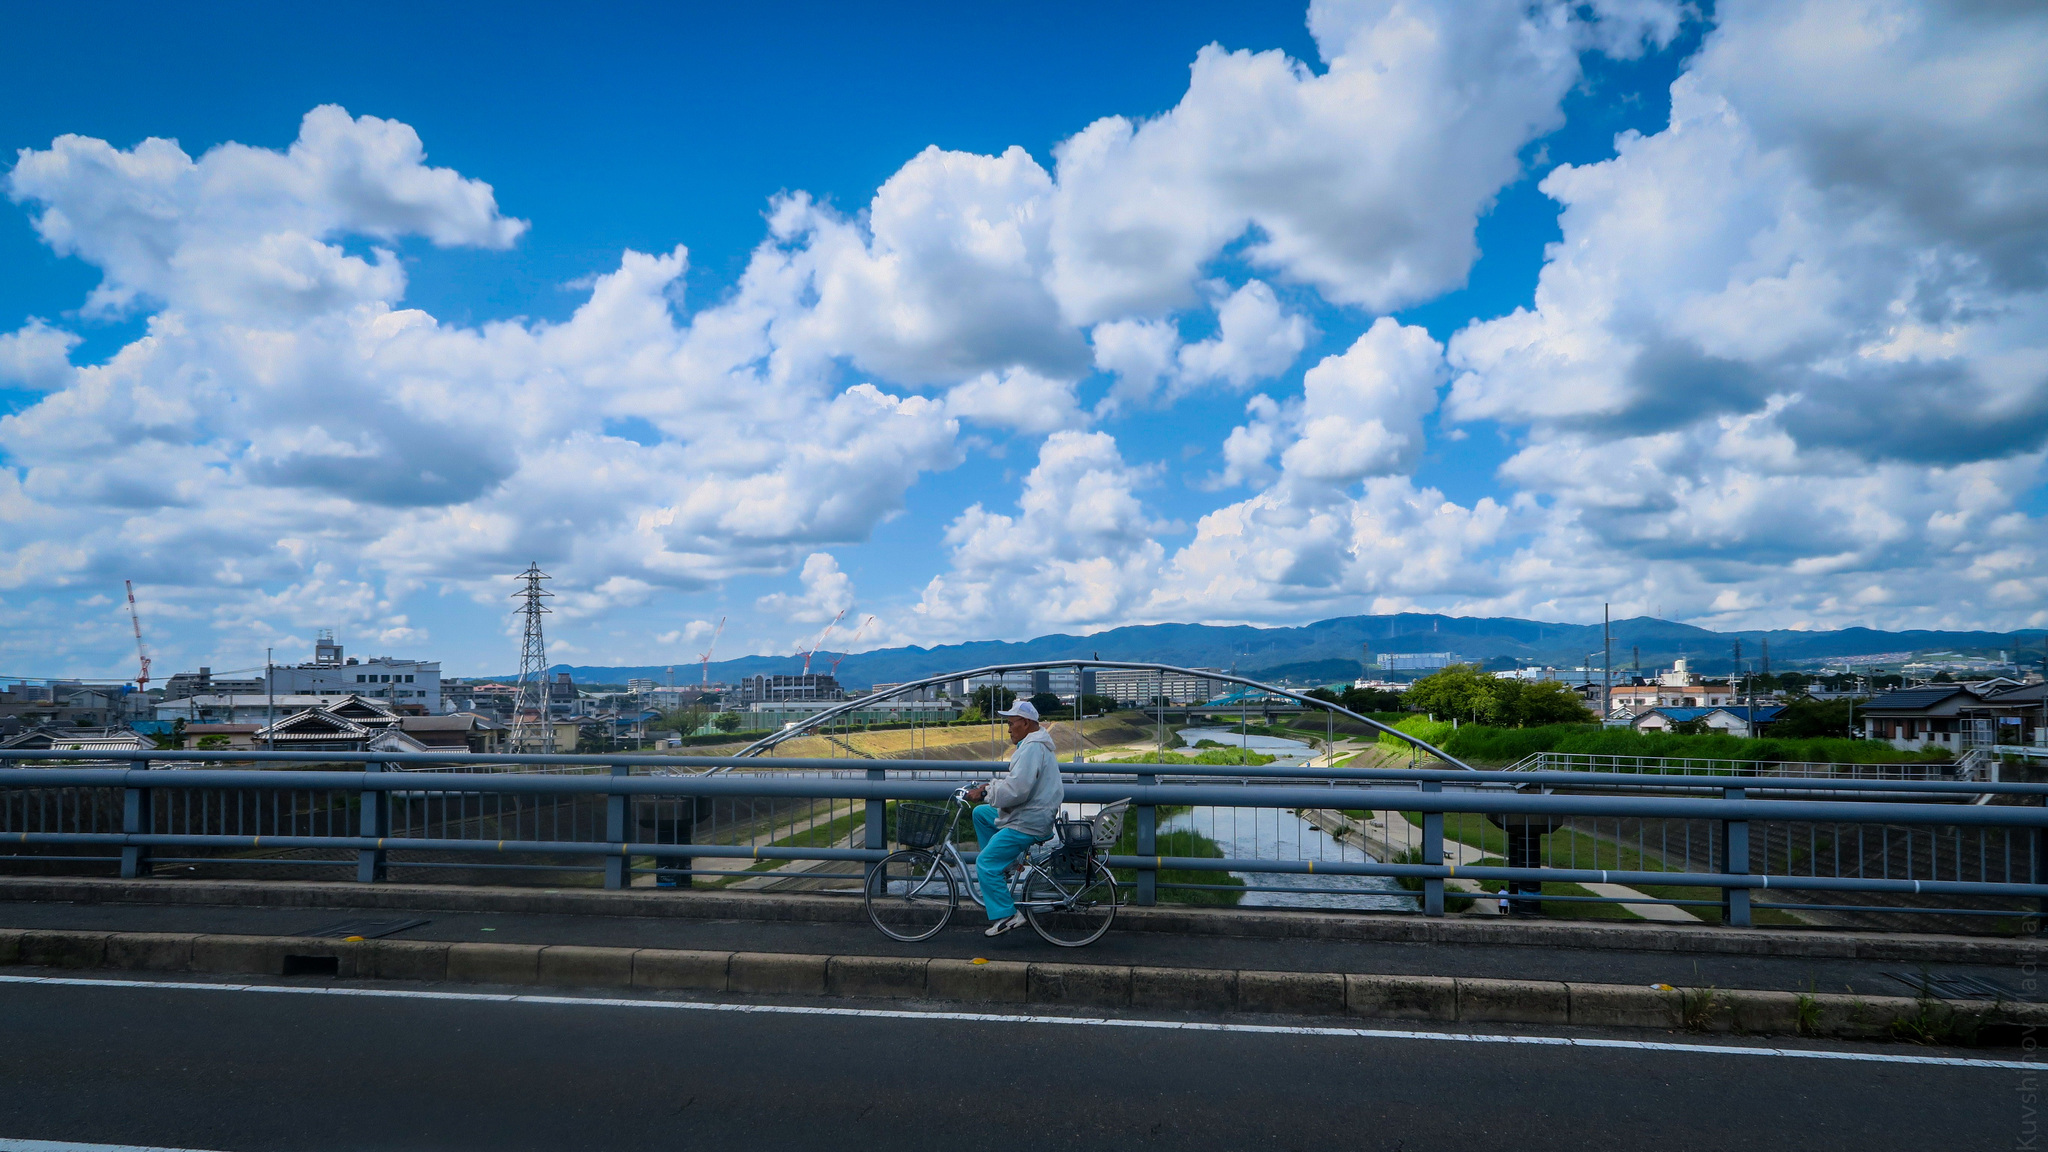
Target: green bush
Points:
(1185, 843)
(1479, 743)
(1420, 727)
(1483, 744)
(1209, 752)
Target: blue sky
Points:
(1269, 348)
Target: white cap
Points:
(1022, 708)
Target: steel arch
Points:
(804, 727)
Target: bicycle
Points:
(1064, 889)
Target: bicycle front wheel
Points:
(1070, 914)
(910, 895)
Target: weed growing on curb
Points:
(1806, 1014)
(1696, 1007)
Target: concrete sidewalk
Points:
(1862, 964)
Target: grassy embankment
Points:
(1571, 848)
(968, 741)
(1479, 744)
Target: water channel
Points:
(1275, 834)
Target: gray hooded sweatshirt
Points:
(1029, 794)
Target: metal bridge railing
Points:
(1701, 766)
(1691, 846)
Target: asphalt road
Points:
(243, 1071)
(964, 940)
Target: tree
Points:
(1458, 691)
(1551, 702)
(990, 699)
(1366, 700)
(1325, 695)
(1047, 703)
(1806, 719)
(727, 722)
(1093, 705)
(1464, 693)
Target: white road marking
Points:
(7, 1145)
(1006, 1018)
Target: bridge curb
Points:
(1897, 947)
(1439, 999)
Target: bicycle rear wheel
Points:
(1070, 914)
(910, 895)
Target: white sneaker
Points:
(1016, 920)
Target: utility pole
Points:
(533, 668)
(1607, 665)
(269, 702)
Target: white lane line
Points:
(1005, 1018)
(7, 1145)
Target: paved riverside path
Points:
(964, 941)
(117, 1062)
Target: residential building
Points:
(320, 729)
(456, 731)
(1132, 688)
(260, 708)
(1641, 696)
(69, 704)
(1416, 661)
(74, 738)
(208, 736)
(781, 713)
(1577, 677)
(813, 686)
(204, 683)
(492, 699)
(330, 673)
(1957, 718)
(1734, 720)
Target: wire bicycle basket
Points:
(920, 825)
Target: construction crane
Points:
(820, 641)
(705, 657)
(850, 643)
(142, 653)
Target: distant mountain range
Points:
(1334, 649)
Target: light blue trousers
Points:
(1000, 848)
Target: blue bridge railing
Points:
(1697, 847)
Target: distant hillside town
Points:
(1953, 694)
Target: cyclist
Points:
(1019, 812)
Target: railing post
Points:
(875, 832)
(375, 805)
(1735, 861)
(1148, 845)
(618, 872)
(2041, 876)
(1433, 853)
(674, 871)
(137, 813)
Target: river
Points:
(1276, 834)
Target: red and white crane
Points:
(850, 643)
(816, 644)
(705, 658)
(142, 653)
